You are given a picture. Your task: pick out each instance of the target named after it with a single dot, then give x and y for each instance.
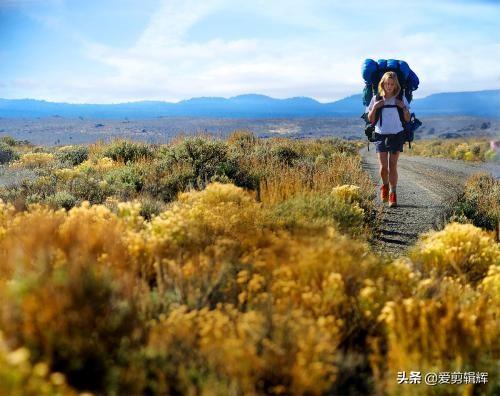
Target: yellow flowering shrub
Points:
(67, 174)
(195, 242)
(66, 290)
(461, 250)
(243, 350)
(206, 296)
(469, 156)
(99, 165)
(347, 193)
(211, 247)
(81, 233)
(224, 340)
(234, 291)
(321, 275)
(130, 213)
(306, 213)
(7, 212)
(491, 284)
(447, 326)
(460, 151)
(33, 160)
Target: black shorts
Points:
(389, 142)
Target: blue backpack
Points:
(372, 72)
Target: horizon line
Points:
(233, 97)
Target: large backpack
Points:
(372, 73)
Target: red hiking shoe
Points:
(392, 200)
(384, 193)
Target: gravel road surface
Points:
(425, 187)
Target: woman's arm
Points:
(406, 111)
(373, 111)
(406, 114)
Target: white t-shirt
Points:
(390, 117)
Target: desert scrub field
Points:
(479, 203)
(283, 174)
(251, 275)
(471, 149)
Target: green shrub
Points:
(491, 155)
(204, 155)
(27, 190)
(339, 145)
(9, 140)
(125, 181)
(87, 188)
(7, 153)
(62, 199)
(73, 155)
(150, 207)
(242, 141)
(128, 151)
(166, 181)
(194, 163)
(285, 154)
(316, 211)
(43, 186)
(34, 198)
(234, 172)
(476, 149)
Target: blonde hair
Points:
(389, 75)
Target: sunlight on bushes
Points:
(459, 250)
(33, 160)
(232, 267)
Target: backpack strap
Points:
(400, 110)
(378, 113)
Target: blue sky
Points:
(113, 51)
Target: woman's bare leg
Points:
(393, 170)
(384, 167)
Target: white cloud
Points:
(172, 20)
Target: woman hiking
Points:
(389, 131)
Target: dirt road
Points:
(425, 187)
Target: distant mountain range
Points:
(479, 103)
